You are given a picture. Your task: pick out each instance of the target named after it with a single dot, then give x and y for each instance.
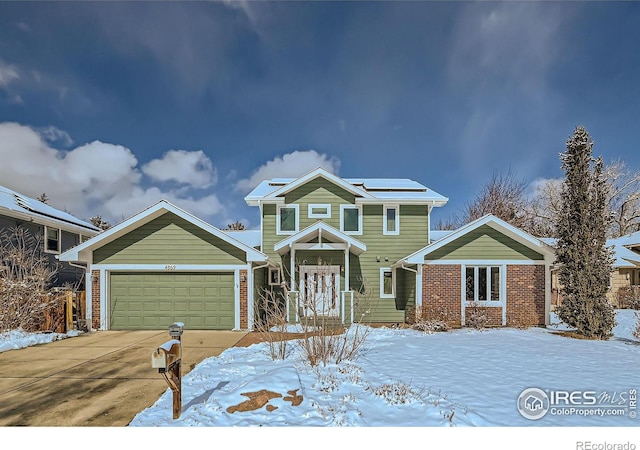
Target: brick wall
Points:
(244, 300)
(525, 295)
(95, 299)
(441, 293)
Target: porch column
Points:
(293, 287)
(419, 285)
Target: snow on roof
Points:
(623, 256)
(390, 189)
(250, 238)
(13, 201)
(436, 235)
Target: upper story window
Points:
(482, 284)
(287, 220)
(350, 219)
(52, 240)
(319, 211)
(391, 219)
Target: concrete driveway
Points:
(98, 379)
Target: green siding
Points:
(156, 300)
(169, 239)
(364, 269)
(485, 243)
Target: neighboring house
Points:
(58, 231)
(625, 278)
(350, 249)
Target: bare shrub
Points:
(396, 393)
(25, 277)
(477, 317)
(272, 321)
(433, 322)
(629, 297)
(325, 338)
(636, 332)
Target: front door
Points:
(320, 290)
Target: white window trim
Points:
(277, 272)
(359, 208)
(488, 302)
(313, 215)
(297, 208)
(46, 238)
(384, 220)
(383, 270)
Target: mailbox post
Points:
(168, 360)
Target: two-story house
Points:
(55, 230)
(349, 249)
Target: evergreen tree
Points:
(584, 261)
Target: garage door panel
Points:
(155, 300)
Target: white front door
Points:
(320, 290)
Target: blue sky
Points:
(109, 107)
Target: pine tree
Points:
(584, 261)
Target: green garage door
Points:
(153, 301)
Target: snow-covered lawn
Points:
(15, 339)
(464, 380)
(405, 378)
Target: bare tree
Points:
(544, 207)
(43, 198)
(623, 196)
(622, 199)
(237, 226)
(25, 278)
(504, 197)
(99, 222)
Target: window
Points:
(387, 285)
(319, 211)
(350, 219)
(287, 219)
(274, 277)
(391, 220)
(51, 240)
(482, 283)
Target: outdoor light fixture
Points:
(175, 330)
(377, 258)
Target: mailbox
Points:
(165, 356)
(168, 360)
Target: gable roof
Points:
(494, 222)
(374, 190)
(16, 205)
(623, 255)
(83, 251)
(320, 229)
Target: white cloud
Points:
(293, 164)
(53, 134)
(8, 74)
(516, 41)
(95, 178)
(185, 167)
